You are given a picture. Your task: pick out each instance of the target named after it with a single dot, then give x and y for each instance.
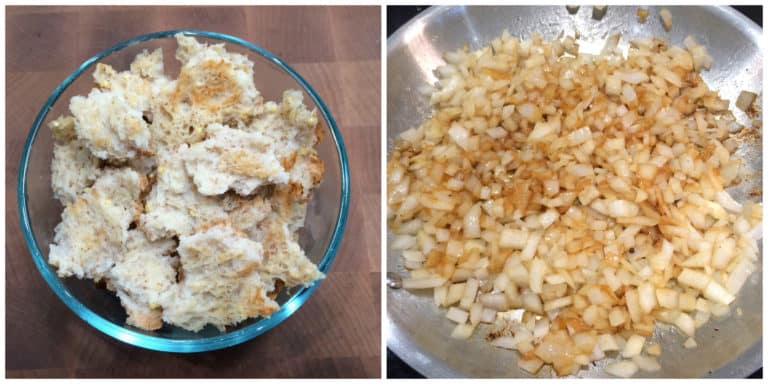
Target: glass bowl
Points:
(40, 212)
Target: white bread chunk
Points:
(291, 209)
(149, 65)
(93, 231)
(233, 159)
(273, 223)
(214, 86)
(73, 169)
(221, 285)
(141, 278)
(63, 129)
(246, 213)
(284, 259)
(110, 119)
(294, 132)
(173, 206)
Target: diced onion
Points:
(686, 324)
(693, 279)
(423, 283)
(513, 238)
(622, 368)
(457, 315)
(633, 347)
(715, 292)
(666, 19)
(646, 363)
(462, 331)
(569, 202)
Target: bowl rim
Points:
(159, 343)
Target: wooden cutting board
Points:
(337, 332)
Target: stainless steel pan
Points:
(417, 331)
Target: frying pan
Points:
(418, 332)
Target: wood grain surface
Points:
(337, 332)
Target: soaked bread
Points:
(174, 207)
(185, 196)
(221, 283)
(93, 231)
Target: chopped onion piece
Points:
(686, 324)
(693, 279)
(653, 349)
(462, 331)
(531, 365)
(470, 291)
(530, 247)
(558, 303)
(455, 293)
(457, 315)
(607, 342)
(623, 368)
(622, 208)
(459, 135)
(404, 242)
(495, 301)
(646, 363)
(488, 315)
(423, 283)
(717, 293)
(538, 268)
(646, 297)
(745, 100)
(472, 222)
(440, 293)
(506, 342)
(513, 238)
(739, 276)
(667, 298)
(634, 346)
(666, 19)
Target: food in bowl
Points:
(572, 201)
(185, 196)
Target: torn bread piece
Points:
(233, 159)
(63, 129)
(173, 206)
(221, 284)
(284, 259)
(246, 212)
(91, 236)
(277, 148)
(73, 169)
(290, 209)
(110, 120)
(141, 277)
(214, 86)
(295, 132)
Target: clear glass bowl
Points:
(40, 212)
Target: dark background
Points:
(399, 15)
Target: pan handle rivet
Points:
(394, 280)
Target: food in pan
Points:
(571, 202)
